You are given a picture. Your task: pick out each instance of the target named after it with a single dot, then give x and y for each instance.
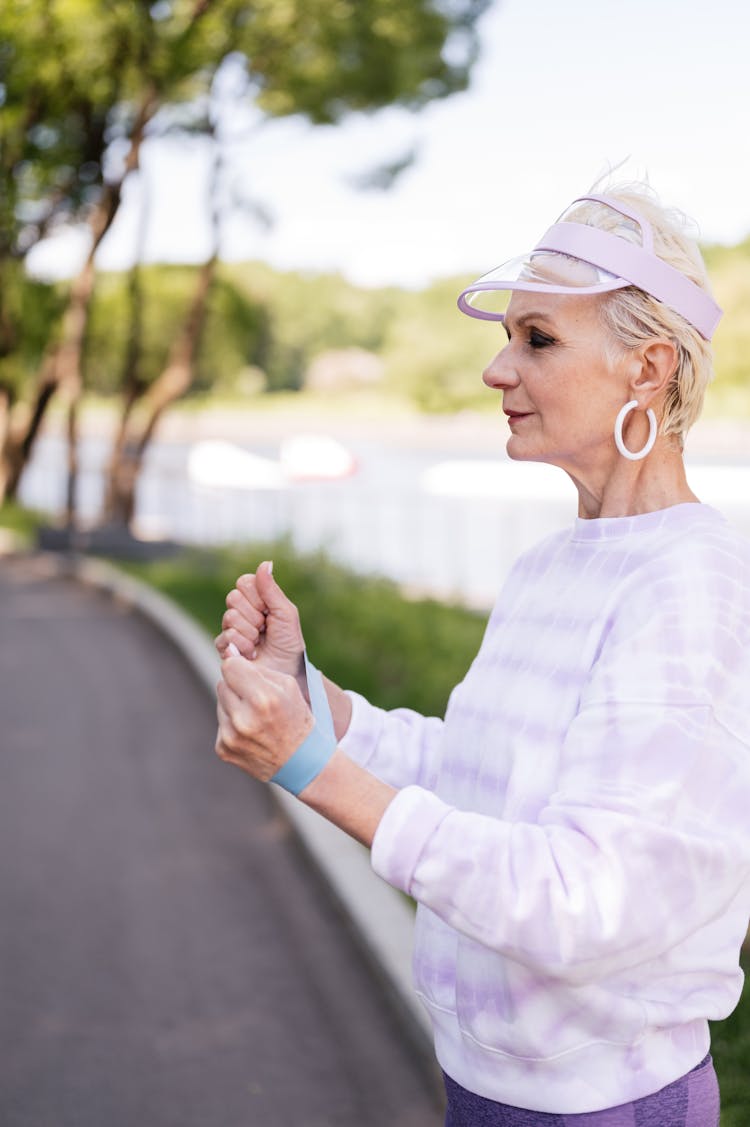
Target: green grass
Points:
(730, 1047)
(24, 523)
(361, 631)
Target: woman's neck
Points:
(629, 488)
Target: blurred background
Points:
(233, 234)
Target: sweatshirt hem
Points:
(592, 1077)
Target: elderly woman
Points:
(575, 831)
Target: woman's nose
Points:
(500, 372)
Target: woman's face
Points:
(561, 392)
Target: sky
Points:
(561, 94)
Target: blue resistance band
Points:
(314, 752)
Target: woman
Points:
(575, 830)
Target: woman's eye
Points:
(539, 340)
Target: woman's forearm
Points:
(349, 796)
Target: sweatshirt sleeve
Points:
(400, 747)
(646, 839)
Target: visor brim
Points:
(487, 296)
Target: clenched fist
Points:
(263, 624)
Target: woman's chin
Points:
(520, 451)
(525, 452)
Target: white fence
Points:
(452, 528)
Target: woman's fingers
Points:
(247, 588)
(245, 646)
(233, 620)
(253, 697)
(242, 624)
(251, 683)
(262, 622)
(238, 604)
(227, 698)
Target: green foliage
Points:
(76, 74)
(362, 632)
(279, 322)
(435, 355)
(322, 57)
(730, 271)
(236, 334)
(310, 313)
(23, 523)
(730, 1048)
(32, 310)
(84, 82)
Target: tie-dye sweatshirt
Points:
(576, 831)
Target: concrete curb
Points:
(380, 916)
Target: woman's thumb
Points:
(268, 588)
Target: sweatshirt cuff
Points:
(361, 737)
(410, 820)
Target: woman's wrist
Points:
(340, 705)
(301, 677)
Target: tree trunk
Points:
(61, 366)
(118, 482)
(71, 492)
(20, 435)
(171, 384)
(5, 404)
(133, 439)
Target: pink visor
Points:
(574, 257)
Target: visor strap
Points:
(638, 266)
(647, 234)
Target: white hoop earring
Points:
(634, 456)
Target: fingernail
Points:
(232, 649)
(270, 567)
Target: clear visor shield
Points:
(539, 272)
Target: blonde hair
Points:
(634, 317)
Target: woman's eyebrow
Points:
(519, 322)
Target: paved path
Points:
(168, 958)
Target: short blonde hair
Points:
(633, 317)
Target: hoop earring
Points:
(634, 456)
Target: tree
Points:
(86, 82)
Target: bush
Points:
(360, 631)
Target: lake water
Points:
(428, 519)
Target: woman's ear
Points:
(656, 364)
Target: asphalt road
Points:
(168, 957)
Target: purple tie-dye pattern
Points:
(575, 830)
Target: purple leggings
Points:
(691, 1101)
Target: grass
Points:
(730, 1047)
(23, 523)
(361, 631)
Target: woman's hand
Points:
(263, 717)
(263, 624)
